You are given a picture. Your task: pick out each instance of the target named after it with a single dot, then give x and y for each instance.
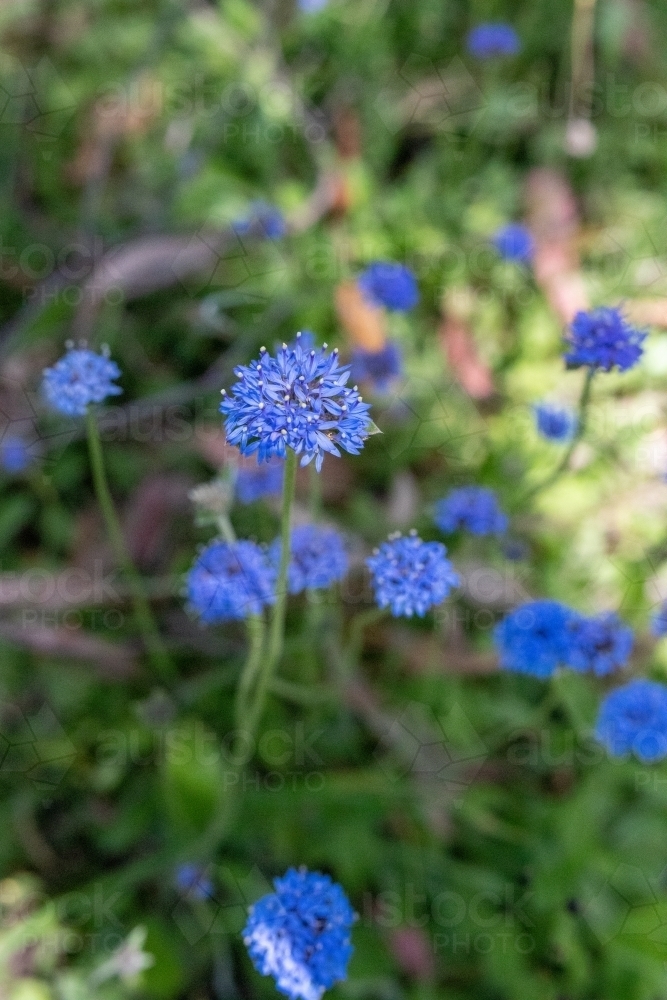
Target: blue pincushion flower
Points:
(554, 422)
(515, 242)
(257, 481)
(299, 400)
(493, 39)
(633, 719)
(80, 378)
(392, 285)
(472, 508)
(410, 576)
(317, 558)
(300, 934)
(603, 339)
(191, 880)
(600, 644)
(659, 621)
(380, 368)
(263, 220)
(14, 455)
(230, 581)
(535, 638)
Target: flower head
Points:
(633, 719)
(380, 368)
(191, 880)
(535, 638)
(391, 285)
(298, 400)
(472, 508)
(410, 576)
(263, 220)
(317, 558)
(300, 934)
(600, 644)
(14, 455)
(515, 242)
(258, 481)
(80, 377)
(230, 581)
(493, 39)
(555, 423)
(603, 339)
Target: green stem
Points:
(315, 492)
(358, 625)
(582, 416)
(255, 628)
(142, 613)
(302, 694)
(277, 631)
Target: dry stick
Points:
(158, 655)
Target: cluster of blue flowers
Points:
(391, 285)
(633, 719)
(298, 400)
(602, 339)
(515, 242)
(254, 482)
(471, 508)
(14, 455)
(230, 581)
(300, 934)
(80, 378)
(493, 39)
(192, 881)
(379, 368)
(534, 638)
(410, 576)
(554, 422)
(317, 558)
(263, 220)
(540, 636)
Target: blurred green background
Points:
(489, 847)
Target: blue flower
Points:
(535, 638)
(191, 880)
(493, 39)
(600, 644)
(80, 377)
(311, 6)
(380, 368)
(230, 581)
(515, 242)
(659, 621)
(263, 220)
(555, 423)
(300, 934)
(317, 558)
(410, 576)
(633, 719)
(14, 455)
(259, 481)
(297, 400)
(390, 285)
(603, 339)
(472, 508)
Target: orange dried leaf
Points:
(364, 324)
